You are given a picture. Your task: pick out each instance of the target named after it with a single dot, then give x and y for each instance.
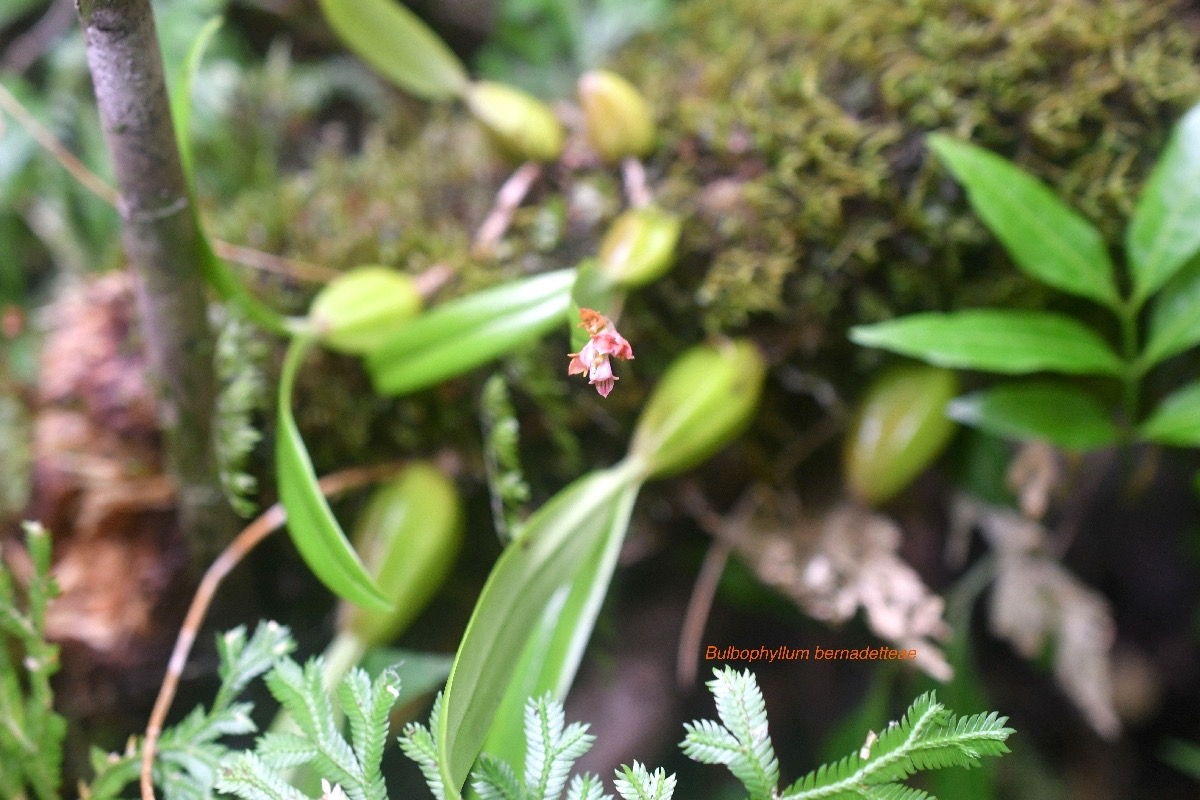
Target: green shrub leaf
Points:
(310, 521)
(1175, 318)
(1054, 412)
(1012, 342)
(1163, 234)
(1176, 421)
(397, 44)
(1048, 240)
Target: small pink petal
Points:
(601, 371)
(576, 367)
(614, 344)
(604, 386)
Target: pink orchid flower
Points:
(593, 358)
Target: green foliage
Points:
(739, 741)
(399, 45)
(240, 355)
(31, 733)
(543, 45)
(190, 753)
(1026, 410)
(1047, 240)
(502, 457)
(1054, 245)
(537, 610)
(352, 764)
(927, 737)
(1183, 755)
(551, 749)
(311, 523)
(465, 333)
(1010, 342)
(555, 544)
(824, 104)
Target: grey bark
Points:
(161, 238)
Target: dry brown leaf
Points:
(1035, 602)
(837, 563)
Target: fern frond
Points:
(250, 779)
(367, 705)
(301, 692)
(494, 779)
(418, 744)
(981, 734)
(750, 756)
(638, 783)
(926, 737)
(550, 749)
(284, 750)
(709, 743)
(844, 773)
(242, 661)
(895, 791)
(587, 787)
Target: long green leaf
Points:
(1163, 234)
(467, 313)
(1175, 318)
(1013, 342)
(216, 273)
(469, 347)
(555, 648)
(310, 521)
(398, 45)
(532, 570)
(181, 98)
(1054, 412)
(1048, 240)
(1176, 421)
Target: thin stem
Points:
(699, 606)
(508, 200)
(229, 558)
(48, 142)
(1131, 378)
(236, 253)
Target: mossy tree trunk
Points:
(161, 239)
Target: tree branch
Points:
(160, 234)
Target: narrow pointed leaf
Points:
(1175, 318)
(1163, 234)
(467, 313)
(468, 332)
(1047, 240)
(555, 647)
(455, 356)
(1054, 412)
(311, 523)
(398, 45)
(1176, 421)
(536, 566)
(1012, 342)
(181, 98)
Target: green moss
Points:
(795, 134)
(793, 143)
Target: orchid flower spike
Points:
(593, 359)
